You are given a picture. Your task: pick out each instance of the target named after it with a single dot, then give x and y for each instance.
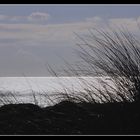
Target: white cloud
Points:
(94, 19)
(33, 17)
(130, 23)
(38, 16)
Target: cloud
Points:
(11, 18)
(130, 23)
(38, 33)
(57, 34)
(94, 19)
(33, 17)
(38, 16)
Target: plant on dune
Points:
(114, 54)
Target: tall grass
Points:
(114, 54)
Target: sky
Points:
(31, 36)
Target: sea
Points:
(39, 90)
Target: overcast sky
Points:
(31, 36)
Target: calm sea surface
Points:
(23, 88)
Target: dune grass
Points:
(114, 54)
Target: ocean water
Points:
(30, 89)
